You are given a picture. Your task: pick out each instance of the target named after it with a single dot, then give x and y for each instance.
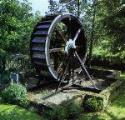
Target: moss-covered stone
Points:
(93, 103)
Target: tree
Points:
(71, 6)
(109, 42)
(16, 24)
(114, 24)
(110, 24)
(53, 7)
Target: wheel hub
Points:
(69, 46)
(54, 41)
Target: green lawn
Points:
(115, 111)
(123, 76)
(13, 112)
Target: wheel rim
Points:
(72, 24)
(63, 19)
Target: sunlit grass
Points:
(122, 76)
(13, 112)
(115, 111)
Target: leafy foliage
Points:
(15, 94)
(108, 29)
(93, 104)
(16, 21)
(5, 78)
(59, 113)
(13, 112)
(53, 7)
(66, 111)
(2, 60)
(73, 110)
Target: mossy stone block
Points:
(93, 103)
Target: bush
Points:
(66, 111)
(93, 104)
(73, 110)
(59, 113)
(15, 94)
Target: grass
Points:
(122, 77)
(13, 112)
(115, 111)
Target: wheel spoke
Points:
(62, 75)
(85, 70)
(54, 50)
(49, 40)
(62, 36)
(64, 71)
(76, 35)
(62, 31)
(64, 60)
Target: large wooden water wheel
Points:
(56, 44)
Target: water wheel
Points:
(54, 42)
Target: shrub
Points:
(59, 113)
(73, 110)
(93, 104)
(15, 94)
(66, 111)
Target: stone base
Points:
(78, 96)
(47, 98)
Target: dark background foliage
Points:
(17, 22)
